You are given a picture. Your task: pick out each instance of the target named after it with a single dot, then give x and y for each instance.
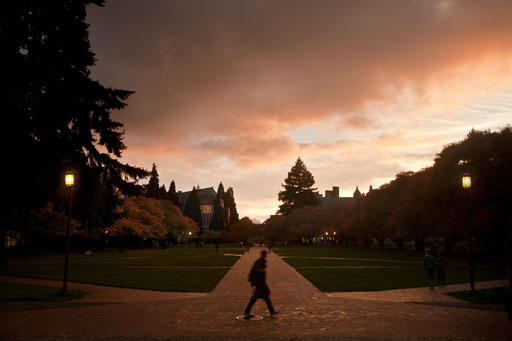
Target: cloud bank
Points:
(223, 86)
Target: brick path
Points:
(306, 313)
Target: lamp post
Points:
(69, 179)
(466, 184)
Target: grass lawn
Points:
(173, 269)
(341, 269)
(29, 292)
(482, 296)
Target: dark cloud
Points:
(233, 79)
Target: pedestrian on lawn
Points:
(440, 264)
(429, 264)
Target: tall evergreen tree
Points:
(218, 220)
(229, 201)
(153, 186)
(162, 193)
(193, 207)
(298, 191)
(172, 195)
(56, 115)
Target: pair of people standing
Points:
(430, 264)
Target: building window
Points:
(205, 209)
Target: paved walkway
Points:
(306, 313)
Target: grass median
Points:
(29, 292)
(482, 296)
(174, 269)
(340, 269)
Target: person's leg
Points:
(438, 276)
(269, 304)
(250, 304)
(430, 278)
(442, 277)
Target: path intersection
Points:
(305, 313)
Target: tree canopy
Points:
(229, 201)
(429, 203)
(148, 218)
(172, 195)
(57, 118)
(153, 186)
(218, 221)
(193, 207)
(298, 189)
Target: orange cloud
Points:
(227, 82)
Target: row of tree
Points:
(224, 206)
(58, 119)
(429, 203)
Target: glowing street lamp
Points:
(69, 180)
(466, 181)
(466, 184)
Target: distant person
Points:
(440, 264)
(261, 290)
(429, 264)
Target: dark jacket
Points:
(257, 278)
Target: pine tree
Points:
(172, 195)
(162, 193)
(218, 221)
(193, 207)
(229, 201)
(58, 118)
(298, 191)
(153, 186)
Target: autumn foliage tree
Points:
(149, 218)
(429, 203)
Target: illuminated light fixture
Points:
(326, 233)
(466, 181)
(334, 232)
(190, 233)
(69, 179)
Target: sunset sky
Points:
(235, 91)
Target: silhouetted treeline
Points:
(423, 204)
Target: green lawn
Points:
(173, 269)
(341, 269)
(29, 292)
(482, 296)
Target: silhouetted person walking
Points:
(429, 263)
(440, 264)
(261, 290)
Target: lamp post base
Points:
(63, 293)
